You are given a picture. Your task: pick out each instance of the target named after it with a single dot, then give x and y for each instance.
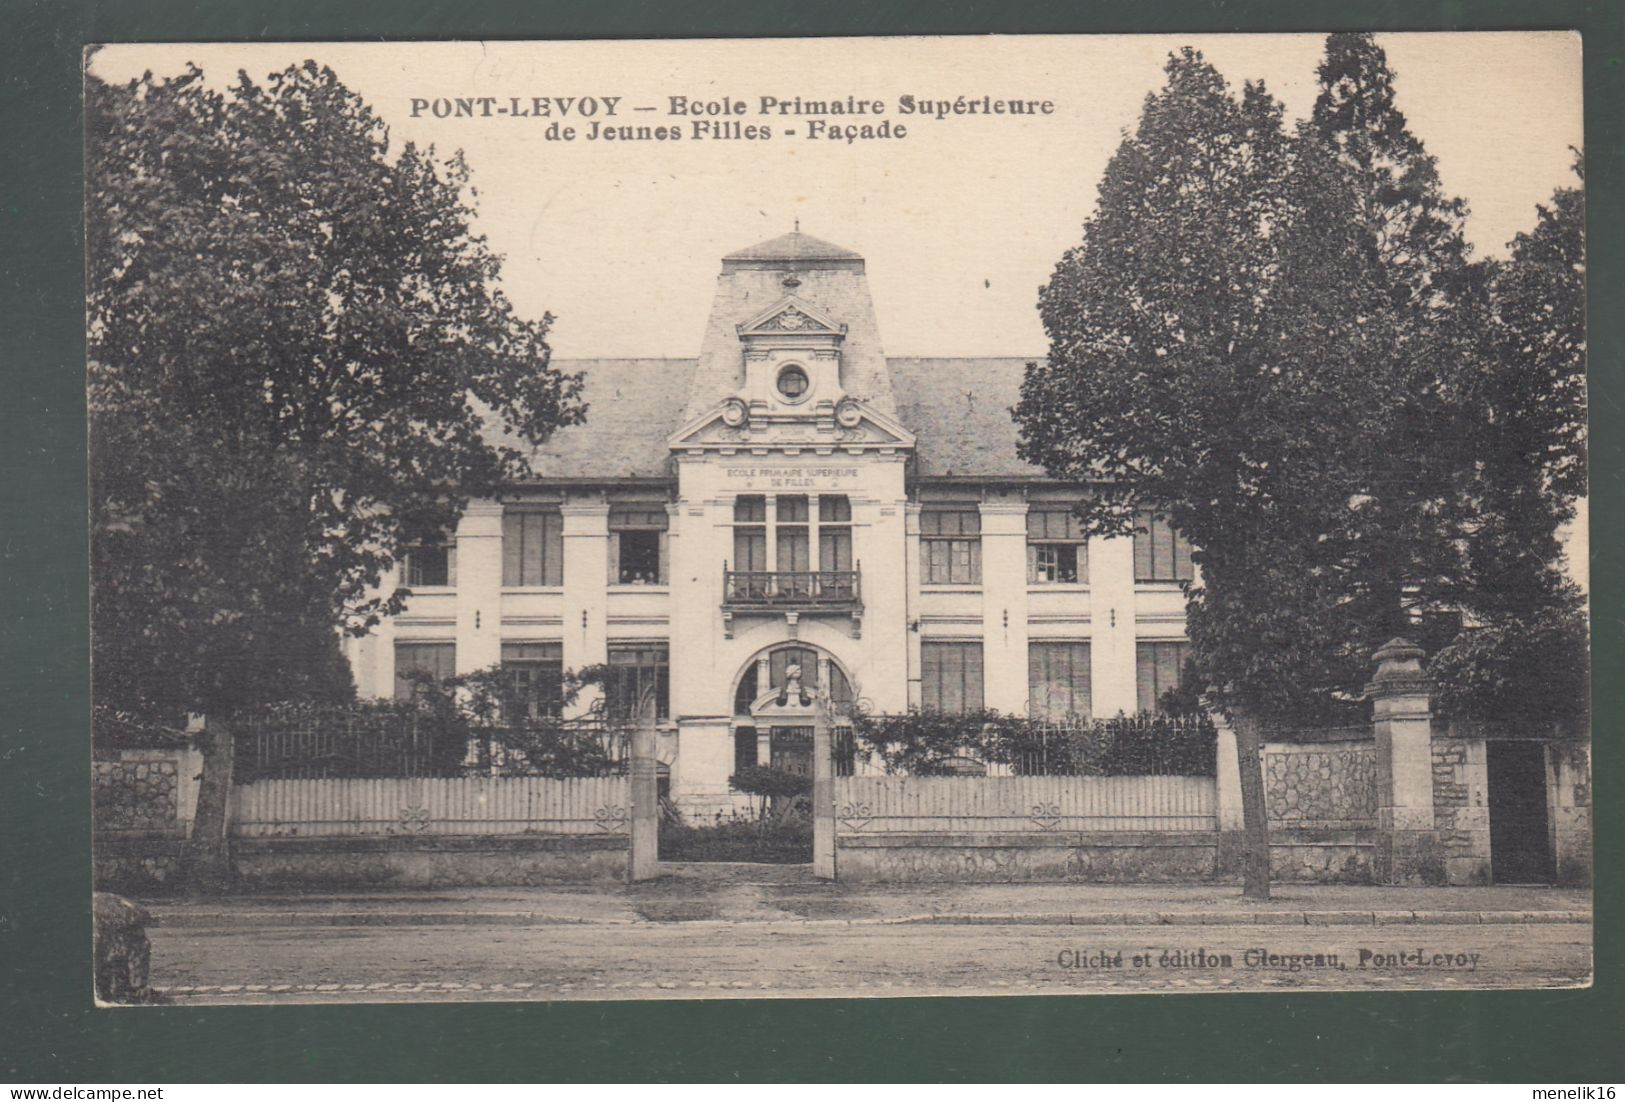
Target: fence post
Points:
(1407, 836)
(645, 858)
(823, 791)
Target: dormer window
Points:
(793, 383)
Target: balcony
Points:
(793, 593)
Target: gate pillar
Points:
(823, 793)
(645, 856)
(1407, 834)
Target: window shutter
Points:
(614, 557)
(1032, 564)
(665, 558)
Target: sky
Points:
(960, 221)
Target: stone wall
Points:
(1016, 857)
(1326, 786)
(137, 795)
(1569, 801)
(1461, 806)
(427, 861)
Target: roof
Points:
(632, 407)
(958, 409)
(959, 412)
(794, 246)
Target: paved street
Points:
(752, 932)
(689, 960)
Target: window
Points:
(750, 533)
(1057, 549)
(778, 662)
(1058, 680)
(535, 680)
(834, 533)
(951, 546)
(792, 382)
(790, 532)
(416, 660)
(744, 749)
(532, 547)
(1160, 553)
(637, 545)
(638, 672)
(430, 564)
(1158, 667)
(951, 676)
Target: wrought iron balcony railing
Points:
(804, 590)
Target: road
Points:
(236, 963)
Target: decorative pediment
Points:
(791, 316)
(739, 426)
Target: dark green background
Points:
(51, 1033)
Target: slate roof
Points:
(959, 412)
(794, 246)
(958, 408)
(633, 406)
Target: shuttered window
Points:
(951, 676)
(1158, 667)
(1160, 553)
(532, 547)
(638, 671)
(1058, 680)
(436, 660)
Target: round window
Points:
(792, 383)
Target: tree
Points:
(1277, 341)
(296, 338)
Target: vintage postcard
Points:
(838, 517)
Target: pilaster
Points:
(586, 565)
(1004, 605)
(1111, 626)
(479, 587)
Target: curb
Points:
(227, 919)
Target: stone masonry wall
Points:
(137, 795)
(1334, 785)
(1460, 808)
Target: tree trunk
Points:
(208, 852)
(1255, 858)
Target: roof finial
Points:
(798, 225)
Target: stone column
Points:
(1407, 836)
(1004, 605)
(586, 568)
(1569, 798)
(479, 587)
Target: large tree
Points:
(295, 337)
(1273, 339)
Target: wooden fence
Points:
(916, 805)
(465, 806)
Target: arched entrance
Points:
(770, 729)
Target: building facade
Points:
(792, 497)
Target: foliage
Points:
(296, 344)
(468, 725)
(764, 780)
(1530, 670)
(1276, 340)
(930, 743)
(784, 837)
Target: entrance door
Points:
(791, 749)
(1520, 840)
